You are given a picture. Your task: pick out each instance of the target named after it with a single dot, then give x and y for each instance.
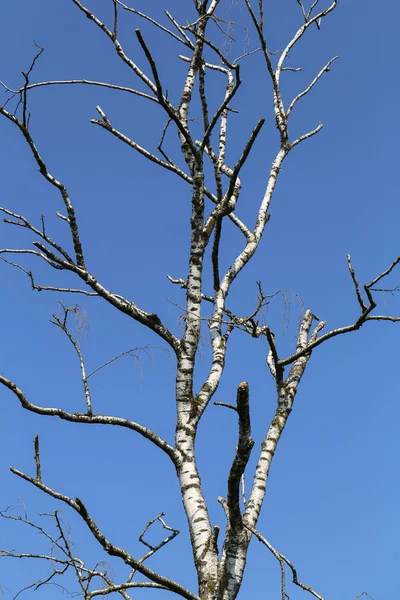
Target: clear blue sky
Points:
(333, 496)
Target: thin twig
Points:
(110, 548)
(282, 558)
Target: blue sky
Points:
(333, 496)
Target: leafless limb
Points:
(280, 117)
(386, 290)
(77, 564)
(62, 324)
(283, 559)
(62, 558)
(152, 321)
(272, 356)
(160, 145)
(224, 105)
(23, 127)
(292, 69)
(78, 506)
(40, 288)
(105, 123)
(356, 285)
(103, 84)
(299, 34)
(231, 406)
(187, 39)
(153, 549)
(306, 136)
(229, 173)
(118, 48)
(249, 323)
(384, 273)
(21, 221)
(230, 193)
(133, 353)
(23, 95)
(210, 44)
(122, 587)
(41, 255)
(171, 111)
(383, 318)
(365, 315)
(325, 69)
(246, 54)
(307, 14)
(182, 40)
(89, 419)
(217, 173)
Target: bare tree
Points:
(202, 34)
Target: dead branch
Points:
(89, 419)
(182, 40)
(40, 288)
(365, 315)
(78, 506)
(169, 538)
(282, 559)
(62, 324)
(104, 84)
(67, 560)
(325, 69)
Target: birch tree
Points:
(202, 119)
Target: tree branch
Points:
(282, 559)
(325, 69)
(110, 548)
(104, 84)
(84, 418)
(73, 225)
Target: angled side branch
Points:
(88, 419)
(78, 506)
(72, 222)
(62, 324)
(282, 559)
(59, 259)
(63, 559)
(366, 309)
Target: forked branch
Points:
(63, 558)
(78, 506)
